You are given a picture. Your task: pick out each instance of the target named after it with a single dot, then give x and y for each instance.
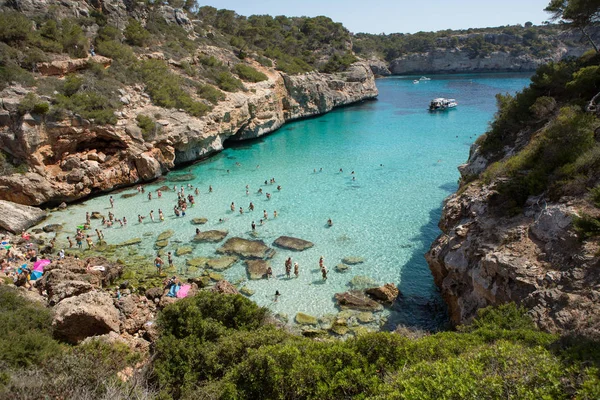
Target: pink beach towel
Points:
(183, 291)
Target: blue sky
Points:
(404, 16)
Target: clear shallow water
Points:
(404, 159)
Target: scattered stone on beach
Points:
(182, 251)
(224, 287)
(305, 319)
(198, 262)
(17, 218)
(128, 195)
(365, 317)
(52, 228)
(96, 215)
(386, 293)
(181, 178)
(165, 235)
(250, 249)
(353, 260)
(360, 282)
(246, 291)
(199, 221)
(292, 243)
(257, 269)
(161, 243)
(221, 263)
(342, 268)
(357, 300)
(213, 236)
(130, 242)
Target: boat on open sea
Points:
(442, 104)
(424, 78)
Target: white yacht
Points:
(424, 78)
(442, 104)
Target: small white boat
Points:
(424, 78)
(416, 81)
(442, 104)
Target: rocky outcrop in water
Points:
(535, 259)
(73, 158)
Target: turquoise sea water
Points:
(404, 161)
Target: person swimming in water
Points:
(329, 222)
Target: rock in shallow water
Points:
(292, 243)
(357, 300)
(213, 236)
(353, 260)
(257, 269)
(305, 319)
(386, 293)
(246, 248)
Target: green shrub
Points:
(210, 61)
(249, 74)
(25, 331)
(210, 93)
(595, 196)
(228, 82)
(587, 226)
(14, 27)
(146, 124)
(339, 63)
(165, 88)
(116, 50)
(135, 34)
(265, 62)
(32, 104)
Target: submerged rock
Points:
(161, 243)
(52, 228)
(365, 317)
(215, 276)
(198, 262)
(213, 236)
(17, 218)
(246, 248)
(130, 242)
(257, 269)
(128, 195)
(181, 178)
(199, 221)
(353, 260)
(165, 235)
(362, 282)
(357, 300)
(246, 291)
(305, 319)
(342, 268)
(182, 251)
(96, 215)
(292, 243)
(221, 263)
(386, 293)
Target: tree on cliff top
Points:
(580, 14)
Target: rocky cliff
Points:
(456, 60)
(535, 258)
(73, 158)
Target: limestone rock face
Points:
(16, 218)
(72, 158)
(88, 314)
(62, 68)
(455, 60)
(292, 243)
(535, 259)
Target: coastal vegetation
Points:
(222, 346)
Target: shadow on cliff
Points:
(420, 305)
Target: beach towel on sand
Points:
(183, 291)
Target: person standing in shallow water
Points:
(288, 266)
(296, 269)
(158, 263)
